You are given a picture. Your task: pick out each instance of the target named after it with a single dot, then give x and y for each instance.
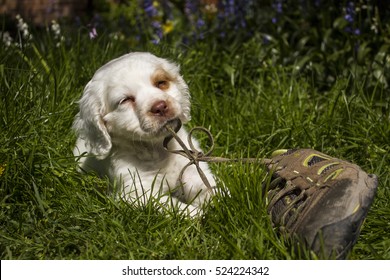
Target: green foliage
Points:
(254, 95)
(321, 39)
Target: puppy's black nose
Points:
(159, 108)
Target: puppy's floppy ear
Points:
(89, 124)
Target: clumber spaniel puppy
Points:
(121, 128)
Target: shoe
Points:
(319, 200)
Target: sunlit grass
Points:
(252, 107)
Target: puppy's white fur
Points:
(120, 129)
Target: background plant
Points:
(324, 39)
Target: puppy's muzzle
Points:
(160, 109)
(162, 113)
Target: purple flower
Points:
(348, 17)
(195, 18)
(356, 31)
(278, 6)
(200, 23)
(150, 9)
(152, 13)
(350, 12)
(190, 8)
(156, 24)
(233, 13)
(230, 8)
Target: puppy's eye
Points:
(127, 99)
(162, 84)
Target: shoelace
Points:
(195, 156)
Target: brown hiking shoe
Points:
(320, 200)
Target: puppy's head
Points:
(131, 98)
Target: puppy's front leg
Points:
(141, 192)
(193, 189)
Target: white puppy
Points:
(121, 128)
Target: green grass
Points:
(251, 105)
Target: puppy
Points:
(121, 128)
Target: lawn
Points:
(251, 94)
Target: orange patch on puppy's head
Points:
(161, 79)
